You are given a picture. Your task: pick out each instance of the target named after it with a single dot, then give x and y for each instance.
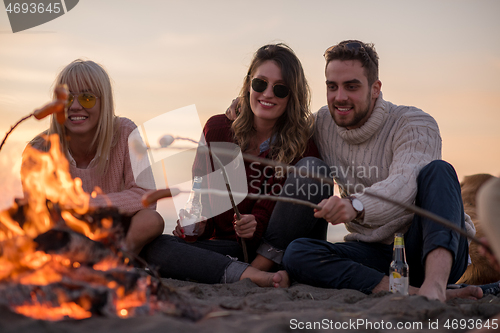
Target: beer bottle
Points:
(193, 212)
(398, 271)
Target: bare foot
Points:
(265, 279)
(443, 295)
(433, 291)
(469, 292)
(281, 279)
(436, 291)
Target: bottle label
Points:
(398, 283)
(399, 242)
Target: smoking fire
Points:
(58, 257)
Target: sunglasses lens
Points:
(353, 46)
(71, 98)
(87, 100)
(280, 91)
(259, 85)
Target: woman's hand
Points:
(199, 226)
(246, 226)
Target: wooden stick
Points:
(57, 106)
(255, 197)
(412, 208)
(12, 128)
(235, 208)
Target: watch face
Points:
(357, 205)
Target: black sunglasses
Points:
(279, 90)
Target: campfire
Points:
(61, 259)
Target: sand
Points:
(245, 307)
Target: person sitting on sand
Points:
(274, 122)
(95, 142)
(372, 145)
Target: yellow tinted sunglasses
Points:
(86, 99)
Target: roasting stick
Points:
(12, 128)
(58, 106)
(235, 208)
(153, 196)
(412, 208)
(409, 207)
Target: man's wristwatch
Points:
(357, 205)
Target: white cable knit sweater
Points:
(383, 156)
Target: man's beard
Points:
(358, 116)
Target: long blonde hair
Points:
(86, 74)
(294, 128)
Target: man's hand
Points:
(246, 226)
(336, 210)
(231, 113)
(199, 226)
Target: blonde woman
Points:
(95, 142)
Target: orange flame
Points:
(46, 177)
(47, 312)
(47, 182)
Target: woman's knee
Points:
(149, 219)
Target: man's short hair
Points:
(356, 50)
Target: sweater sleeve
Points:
(416, 142)
(128, 198)
(128, 201)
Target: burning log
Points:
(62, 273)
(61, 258)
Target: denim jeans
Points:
(361, 266)
(206, 261)
(288, 221)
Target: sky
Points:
(440, 56)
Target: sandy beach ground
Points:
(245, 307)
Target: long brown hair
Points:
(294, 128)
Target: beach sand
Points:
(245, 307)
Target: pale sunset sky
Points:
(440, 56)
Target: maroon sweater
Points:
(261, 178)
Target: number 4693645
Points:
(33, 8)
(471, 324)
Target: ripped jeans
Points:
(205, 261)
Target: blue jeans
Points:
(288, 221)
(361, 266)
(206, 261)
